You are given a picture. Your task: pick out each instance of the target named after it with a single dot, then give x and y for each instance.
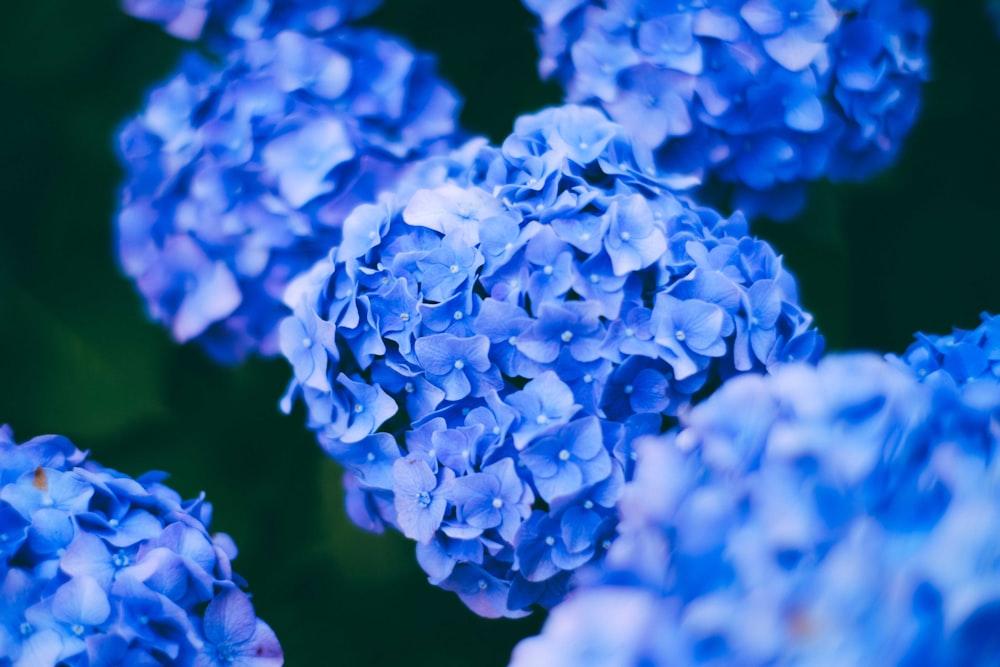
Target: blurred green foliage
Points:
(916, 249)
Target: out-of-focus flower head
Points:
(97, 568)
(228, 21)
(763, 95)
(958, 358)
(839, 514)
(240, 176)
(479, 354)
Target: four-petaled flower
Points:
(420, 503)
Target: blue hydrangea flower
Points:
(958, 358)
(844, 513)
(762, 95)
(240, 177)
(231, 20)
(97, 568)
(498, 317)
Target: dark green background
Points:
(916, 249)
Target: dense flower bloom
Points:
(239, 177)
(958, 358)
(97, 568)
(512, 327)
(763, 95)
(246, 19)
(839, 514)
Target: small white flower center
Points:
(459, 364)
(564, 455)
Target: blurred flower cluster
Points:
(97, 568)
(234, 20)
(761, 95)
(480, 354)
(240, 175)
(839, 514)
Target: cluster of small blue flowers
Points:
(764, 95)
(958, 358)
(839, 514)
(480, 355)
(102, 569)
(246, 19)
(239, 177)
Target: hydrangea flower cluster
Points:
(239, 177)
(480, 355)
(764, 95)
(839, 514)
(233, 20)
(102, 569)
(958, 358)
